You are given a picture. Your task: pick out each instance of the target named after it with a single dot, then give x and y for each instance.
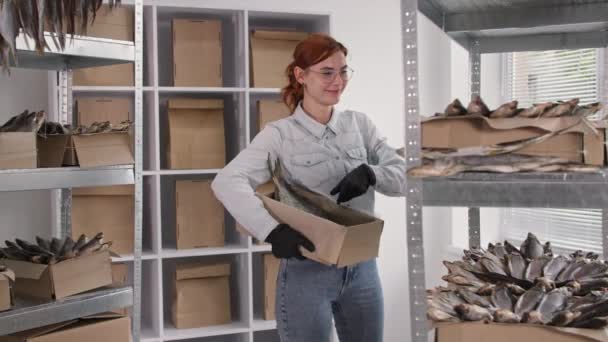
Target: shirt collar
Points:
(313, 126)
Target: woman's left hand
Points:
(355, 183)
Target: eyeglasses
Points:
(329, 76)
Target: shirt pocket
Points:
(311, 169)
(357, 153)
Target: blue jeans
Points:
(309, 293)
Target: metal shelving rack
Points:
(79, 53)
(486, 26)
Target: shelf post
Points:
(137, 247)
(475, 73)
(413, 210)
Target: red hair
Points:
(312, 50)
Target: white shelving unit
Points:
(159, 253)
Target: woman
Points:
(336, 152)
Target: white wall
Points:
(24, 214)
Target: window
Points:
(535, 77)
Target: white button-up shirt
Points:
(317, 155)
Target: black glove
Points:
(286, 242)
(355, 183)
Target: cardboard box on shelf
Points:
(7, 298)
(97, 328)
(62, 279)
(18, 150)
(271, 52)
(112, 109)
(199, 215)
(105, 209)
(197, 53)
(346, 238)
(120, 277)
(122, 75)
(196, 134)
(202, 295)
(466, 131)
(495, 332)
(271, 272)
(52, 150)
(110, 23)
(271, 110)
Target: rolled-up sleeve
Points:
(387, 165)
(234, 185)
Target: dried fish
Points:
(506, 110)
(440, 316)
(56, 245)
(66, 251)
(564, 318)
(516, 266)
(552, 303)
(531, 247)
(82, 240)
(91, 246)
(486, 290)
(532, 317)
(535, 267)
(24, 122)
(506, 316)
(535, 111)
(492, 267)
(592, 323)
(43, 243)
(502, 298)
(547, 250)
(554, 267)
(477, 106)
(529, 300)
(562, 109)
(473, 298)
(455, 108)
(469, 312)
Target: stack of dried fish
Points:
(25, 122)
(529, 284)
(53, 251)
(102, 127)
(509, 109)
(33, 16)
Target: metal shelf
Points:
(29, 313)
(521, 25)
(79, 52)
(64, 177)
(548, 190)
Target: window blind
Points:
(536, 77)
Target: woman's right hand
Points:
(286, 242)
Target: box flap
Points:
(24, 269)
(116, 190)
(326, 235)
(361, 243)
(81, 274)
(279, 35)
(193, 271)
(103, 149)
(51, 149)
(546, 124)
(103, 315)
(8, 274)
(196, 104)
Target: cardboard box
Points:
(271, 52)
(348, 238)
(92, 109)
(7, 298)
(202, 295)
(271, 110)
(18, 150)
(62, 279)
(271, 272)
(467, 131)
(199, 215)
(496, 332)
(196, 134)
(102, 149)
(122, 75)
(52, 150)
(197, 53)
(98, 328)
(105, 209)
(120, 277)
